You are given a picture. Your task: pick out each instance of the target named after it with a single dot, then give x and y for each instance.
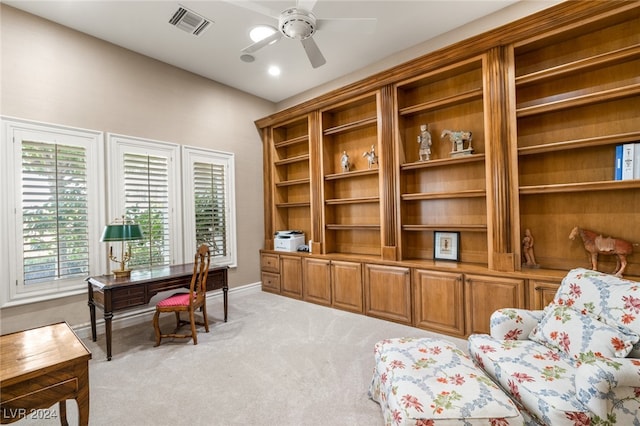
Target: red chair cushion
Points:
(180, 299)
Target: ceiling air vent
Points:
(189, 21)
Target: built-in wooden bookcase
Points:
(291, 176)
(351, 198)
(577, 97)
(443, 193)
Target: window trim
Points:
(118, 145)
(15, 293)
(190, 155)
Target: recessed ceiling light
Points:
(274, 70)
(261, 32)
(247, 58)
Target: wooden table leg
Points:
(83, 394)
(63, 412)
(225, 290)
(108, 316)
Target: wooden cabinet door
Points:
(484, 295)
(541, 293)
(438, 301)
(346, 286)
(317, 281)
(291, 276)
(388, 293)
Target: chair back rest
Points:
(198, 286)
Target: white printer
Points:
(288, 240)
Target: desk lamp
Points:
(122, 230)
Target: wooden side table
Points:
(41, 367)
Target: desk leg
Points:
(92, 314)
(108, 316)
(225, 290)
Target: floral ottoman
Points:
(422, 381)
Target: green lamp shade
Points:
(120, 232)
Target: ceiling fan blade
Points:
(262, 43)
(306, 4)
(313, 52)
(352, 25)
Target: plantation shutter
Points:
(54, 211)
(146, 194)
(210, 207)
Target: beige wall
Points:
(53, 74)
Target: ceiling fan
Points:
(299, 23)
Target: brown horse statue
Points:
(597, 244)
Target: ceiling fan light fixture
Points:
(260, 32)
(297, 24)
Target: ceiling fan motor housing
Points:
(297, 24)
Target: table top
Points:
(139, 276)
(30, 353)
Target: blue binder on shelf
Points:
(618, 165)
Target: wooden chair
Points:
(188, 302)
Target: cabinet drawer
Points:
(270, 263)
(271, 282)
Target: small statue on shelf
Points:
(372, 158)
(527, 250)
(458, 138)
(344, 160)
(424, 140)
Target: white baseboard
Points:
(141, 315)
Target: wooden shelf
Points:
(340, 227)
(582, 65)
(466, 228)
(442, 162)
(293, 141)
(576, 101)
(366, 122)
(580, 143)
(355, 200)
(471, 193)
(291, 160)
(441, 103)
(581, 186)
(349, 175)
(293, 182)
(290, 205)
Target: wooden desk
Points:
(114, 294)
(40, 367)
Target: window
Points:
(209, 203)
(145, 184)
(54, 215)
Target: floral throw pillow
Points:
(574, 333)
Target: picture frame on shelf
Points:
(446, 245)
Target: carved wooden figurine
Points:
(597, 244)
(527, 250)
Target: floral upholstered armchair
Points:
(577, 362)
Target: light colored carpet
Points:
(277, 361)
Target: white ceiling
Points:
(142, 26)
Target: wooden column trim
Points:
(498, 155)
(268, 188)
(387, 173)
(316, 185)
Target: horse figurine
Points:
(458, 138)
(597, 244)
